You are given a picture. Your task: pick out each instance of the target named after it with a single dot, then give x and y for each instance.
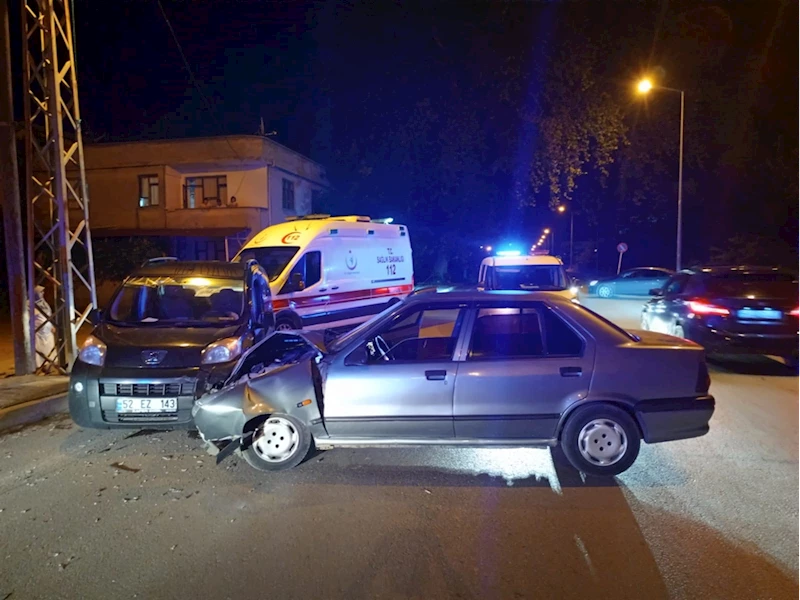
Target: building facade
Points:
(206, 196)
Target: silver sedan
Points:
(466, 369)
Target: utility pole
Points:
(59, 239)
(12, 219)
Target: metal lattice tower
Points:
(59, 239)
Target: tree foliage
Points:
(579, 124)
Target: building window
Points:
(288, 194)
(148, 190)
(205, 192)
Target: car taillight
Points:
(701, 307)
(703, 378)
(795, 312)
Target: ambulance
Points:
(327, 272)
(536, 272)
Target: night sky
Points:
(344, 83)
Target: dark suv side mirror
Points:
(656, 292)
(95, 316)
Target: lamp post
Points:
(643, 87)
(562, 209)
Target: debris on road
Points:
(124, 467)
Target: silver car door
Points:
(524, 365)
(399, 383)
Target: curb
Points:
(32, 411)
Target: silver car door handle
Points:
(435, 375)
(571, 371)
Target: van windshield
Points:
(529, 277)
(178, 302)
(273, 259)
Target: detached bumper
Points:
(674, 418)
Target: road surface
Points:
(88, 514)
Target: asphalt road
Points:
(88, 514)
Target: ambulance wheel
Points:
(288, 323)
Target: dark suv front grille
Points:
(153, 390)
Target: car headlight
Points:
(222, 351)
(593, 282)
(573, 290)
(93, 352)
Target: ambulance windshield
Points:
(273, 259)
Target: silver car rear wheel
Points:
(602, 442)
(600, 439)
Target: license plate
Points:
(760, 314)
(147, 405)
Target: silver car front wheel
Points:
(279, 442)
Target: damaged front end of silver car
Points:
(278, 376)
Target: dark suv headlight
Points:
(93, 352)
(222, 351)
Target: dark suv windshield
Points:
(529, 277)
(273, 259)
(178, 301)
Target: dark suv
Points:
(729, 310)
(170, 329)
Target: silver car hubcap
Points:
(602, 442)
(276, 440)
(284, 327)
(604, 292)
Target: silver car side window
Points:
(421, 335)
(511, 332)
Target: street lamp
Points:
(562, 209)
(643, 87)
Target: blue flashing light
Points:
(508, 253)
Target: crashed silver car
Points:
(467, 369)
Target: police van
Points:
(327, 272)
(537, 272)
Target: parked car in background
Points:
(171, 328)
(473, 368)
(582, 276)
(750, 310)
(633, 282)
